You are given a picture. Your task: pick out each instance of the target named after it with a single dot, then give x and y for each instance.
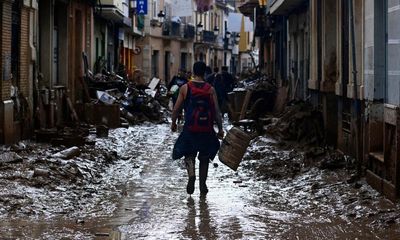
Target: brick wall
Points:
(24, 81)
(5, 48)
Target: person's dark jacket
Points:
(228, 81)
(211, 78)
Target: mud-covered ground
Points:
(127, 187)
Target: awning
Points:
(284, 7)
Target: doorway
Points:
(154, 63)
(167, 61)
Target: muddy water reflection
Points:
(152, 202)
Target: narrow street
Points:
(142, 196)
(91, 92)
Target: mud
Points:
(135, 191)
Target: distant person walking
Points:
(198, 136)
(211, 78)
(223, 84)
(176, 83)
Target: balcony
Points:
(177, 30)
(208, 36)
(189, 32)
(284, 7)
(112, 10)
(166, 28)
(247, 7)
(171, 29)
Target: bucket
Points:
(234, 147)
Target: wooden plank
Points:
(389, 190)
(85, 89)
(374, 181)
(245, 105)
(74, 115)
(378, 156)
(281, 99)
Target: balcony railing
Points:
(175, 29)
(171, 29)
(208, 36)
(178, 30)
(166, 28)
(189, 32)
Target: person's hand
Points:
(174, 127)
(220, 134)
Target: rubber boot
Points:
(190, 167)
(203, 173)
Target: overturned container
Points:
(234, 147)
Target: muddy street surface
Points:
(133, 190)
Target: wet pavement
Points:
(142, 195)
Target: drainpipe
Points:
(356, 105)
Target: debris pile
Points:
(258, 82)
(32, 167)
(277, 160)
(66, 136)
(299, 122)
(136, 104)
(252, 98)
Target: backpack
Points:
(200, 108)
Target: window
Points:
(155, 12)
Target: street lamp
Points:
(161, 17)
(228, 35)
(199, 28)
(237, 38)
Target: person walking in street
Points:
(211, 78)
(229, 80)
(223, 84)
(176, 83)
(198, 136)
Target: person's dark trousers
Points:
(203, 173)
(190, 167)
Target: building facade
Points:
(18, 66)
(336, 55)
(167, 45)
(382, 98)
(48, 47)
